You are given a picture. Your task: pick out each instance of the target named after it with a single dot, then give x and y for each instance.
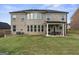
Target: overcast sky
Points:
(6, 8)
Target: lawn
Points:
(40, 45)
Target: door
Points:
(54, 30)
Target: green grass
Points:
(36, 45)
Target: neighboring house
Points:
(4, 28)
(39, 22)
(75, 20)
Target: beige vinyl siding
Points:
(21, 26)
(56, 16)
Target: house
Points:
(75, 20)
(4, 28)
(39, 22)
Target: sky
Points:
(6, 8)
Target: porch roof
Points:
(55, 22)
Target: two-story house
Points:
(39, 22)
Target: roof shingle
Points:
(48, 11)
(4, 25)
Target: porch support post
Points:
(63, 29)
(47, 30)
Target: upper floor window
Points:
(62, 18)
(22, 19)
(48, 16)
(14, 17)
(34, 16)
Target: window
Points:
(49, 29)
(57, 26)
(38, 28)
(27, 27)
(31, 16)
(31, 28)
(14, 28)
(42, 28)
(14, 17)
(22, 19)
(48, 18)
(28, 16)
(34, 28)
(34, 16)
(62, 18)
(19, 33)
(60, 27)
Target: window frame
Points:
(22, 19)
(42, 28)
(38, 28)
(35, 28)
(14, 17)
(34, 15)
(62, 18)
(14, 28)
(48, 16)
(31, 28)
(28, 28)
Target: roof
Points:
(4, 25)
(77, 10)
(40, 10)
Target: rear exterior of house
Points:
(39, 22)
(75, 20)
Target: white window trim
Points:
(13, 16)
